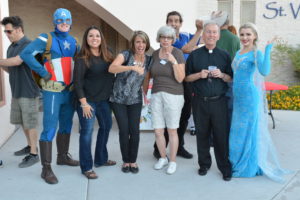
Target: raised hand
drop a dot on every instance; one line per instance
(170, 57)
(199, 24)
(274, 39)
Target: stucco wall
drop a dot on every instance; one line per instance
(150, 15)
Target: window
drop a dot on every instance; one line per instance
(248, 10)
(226, 5)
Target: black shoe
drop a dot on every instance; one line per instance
(184, 153)
(226, 177)
(156, 154)
(29, 160)
(23, 152)
(125, 169)
(134, 170)
(203, 171)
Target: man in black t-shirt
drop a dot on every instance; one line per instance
(25, 92)
(209, 70)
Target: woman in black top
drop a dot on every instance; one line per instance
(93, 86)
(131, 67)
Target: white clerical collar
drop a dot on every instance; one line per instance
(210, 51)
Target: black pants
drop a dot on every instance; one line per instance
(184, 118)
(212, 114)
(128, 119)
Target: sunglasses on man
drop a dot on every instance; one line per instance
(8, 31)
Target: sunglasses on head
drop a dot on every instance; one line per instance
(8, 31)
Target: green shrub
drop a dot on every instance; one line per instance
(283, 52)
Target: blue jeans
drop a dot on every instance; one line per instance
(101, 111)
(58, 108)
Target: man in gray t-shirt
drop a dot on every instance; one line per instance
(25, 92)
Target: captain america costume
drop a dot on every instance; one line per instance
(57, 76)
(57, 105)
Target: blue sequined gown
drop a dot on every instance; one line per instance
(250, 147)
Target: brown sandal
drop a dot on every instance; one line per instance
(90, 174)
(110, 163)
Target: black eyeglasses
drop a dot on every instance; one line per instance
(8, 31)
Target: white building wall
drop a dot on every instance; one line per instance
(285, 26)
(236, 13)
(6, 128)
(149, 16)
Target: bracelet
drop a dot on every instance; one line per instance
(175, 63)
(84, 105)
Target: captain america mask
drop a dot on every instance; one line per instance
(62, 15)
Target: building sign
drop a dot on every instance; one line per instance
(274, 10)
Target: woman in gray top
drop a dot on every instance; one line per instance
(168, 72)
(130, 67)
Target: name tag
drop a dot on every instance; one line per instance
(163, 62)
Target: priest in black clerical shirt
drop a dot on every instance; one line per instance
(209, 68)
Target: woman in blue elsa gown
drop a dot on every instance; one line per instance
(251, 149)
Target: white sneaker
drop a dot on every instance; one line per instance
(161, 163)
(172, 167)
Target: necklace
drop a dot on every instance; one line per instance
(139, 60)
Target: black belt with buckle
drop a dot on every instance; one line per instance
(211, 98)
(68, 88)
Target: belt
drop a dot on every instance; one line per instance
(69, 88)
(210, 98)
(54, 86)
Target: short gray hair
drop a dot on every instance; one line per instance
(210, 22)
(166, 31)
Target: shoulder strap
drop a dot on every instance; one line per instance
(47, 53)
(127, 60)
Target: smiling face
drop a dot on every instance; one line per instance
(247, 37)
(63, 27)
(211, 35)
(94, 39)
(139, 45)
(174, 21)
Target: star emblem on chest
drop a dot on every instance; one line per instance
(66, 45)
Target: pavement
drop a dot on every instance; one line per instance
(150, 184)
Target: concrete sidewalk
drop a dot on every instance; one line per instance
(149, 184)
